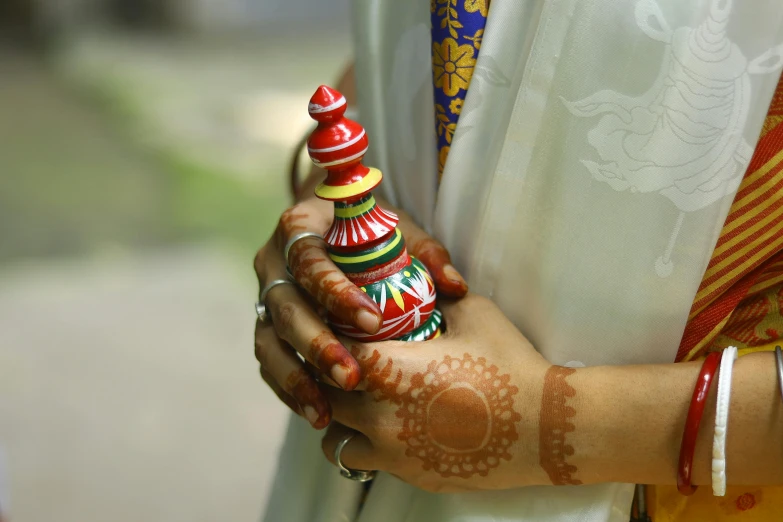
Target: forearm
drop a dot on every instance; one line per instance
(629, 423)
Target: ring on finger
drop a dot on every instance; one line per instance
(261, 311)
(358, 475)
(296, 238)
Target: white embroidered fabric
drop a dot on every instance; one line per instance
(597, 154)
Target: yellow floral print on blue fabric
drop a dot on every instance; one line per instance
(457, 31)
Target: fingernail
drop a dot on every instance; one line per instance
(452, 275)
(368, 322)
(345, 376)
(310, 414)
(340, 375)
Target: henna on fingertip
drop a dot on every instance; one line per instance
(359, 308)
(333, 359)
(318, 275)
(306, 393)
(436, 258)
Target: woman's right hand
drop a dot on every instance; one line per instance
(297, 326)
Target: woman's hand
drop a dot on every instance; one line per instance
(296, 324)
(456, 413)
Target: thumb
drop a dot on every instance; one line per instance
(467, 314)
(474, 315)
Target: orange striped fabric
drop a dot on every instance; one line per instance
(748, 257)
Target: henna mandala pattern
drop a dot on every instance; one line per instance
(473, 442)
(480, 437)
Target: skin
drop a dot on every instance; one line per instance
(471, 443)
(627, 420)
(614, 424)
(448, 414)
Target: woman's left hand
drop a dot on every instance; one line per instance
(453, 414)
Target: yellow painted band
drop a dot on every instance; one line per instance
(370, 256)
(368, 182)
(358, 210)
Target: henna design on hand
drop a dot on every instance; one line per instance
(554, 425)
(454, 441)
(291, 223)
(436, 258)
(326, 352)
(342, 298)
(306, 393)
(378, 378)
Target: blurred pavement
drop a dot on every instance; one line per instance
(129, 390)
(137, 176)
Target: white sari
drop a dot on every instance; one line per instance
(598, 151)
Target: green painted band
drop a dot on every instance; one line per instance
(367, 259)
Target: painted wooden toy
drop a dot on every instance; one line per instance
(364, 241)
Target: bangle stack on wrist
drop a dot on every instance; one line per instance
(687, 449)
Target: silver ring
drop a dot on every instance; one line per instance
(779, 360)
(358, 475)
(295, 239)
(261, 311)
(270, 286)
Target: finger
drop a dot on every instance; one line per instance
(435, 257)
(310, 264)
(381, 363)
(319, 375)
(313, 215)
(357, 454)
(314, 270)
(281, 394)
(460, 315)
(287, 371)
(298, 324)
(353, 409)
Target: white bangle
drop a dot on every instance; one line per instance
(722, 421)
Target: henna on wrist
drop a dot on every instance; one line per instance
(555, 423)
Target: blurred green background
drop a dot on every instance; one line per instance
(144, 149)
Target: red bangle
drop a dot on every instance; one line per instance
(695, 413)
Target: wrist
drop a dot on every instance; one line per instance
(629, 421)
